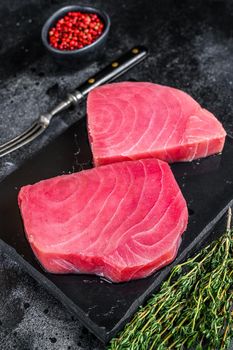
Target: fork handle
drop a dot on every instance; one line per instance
(109, 73)
(114, 69)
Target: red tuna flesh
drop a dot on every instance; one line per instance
(141, 120)
(122, 221)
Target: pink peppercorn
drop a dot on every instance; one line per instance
(76, 30)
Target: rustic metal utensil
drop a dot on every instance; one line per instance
(109, 73)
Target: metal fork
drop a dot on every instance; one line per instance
(109, 73)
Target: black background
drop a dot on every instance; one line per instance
(191, 48)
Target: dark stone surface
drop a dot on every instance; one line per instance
(191, 48)
(32, 319)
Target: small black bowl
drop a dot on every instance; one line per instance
(79, 56)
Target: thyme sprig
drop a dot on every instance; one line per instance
(193, 309)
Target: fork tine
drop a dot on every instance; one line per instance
(21, 136)
(22, 139)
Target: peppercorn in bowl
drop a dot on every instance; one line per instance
(75, 34)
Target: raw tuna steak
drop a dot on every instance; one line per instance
(142, 120)
(122, 221)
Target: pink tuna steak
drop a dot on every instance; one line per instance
(122, 221)
(142, 120)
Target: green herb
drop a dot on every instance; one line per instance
(193, 309)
